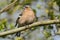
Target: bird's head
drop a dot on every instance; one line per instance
(27, 7)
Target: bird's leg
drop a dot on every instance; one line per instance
(29, 28)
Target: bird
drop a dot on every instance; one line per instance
(26, 17)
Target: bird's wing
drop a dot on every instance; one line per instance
(17, 21)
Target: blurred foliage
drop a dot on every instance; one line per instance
(1, 27)
(19, 38)
(50, 38)
(50, 10)
(2, 4)
(51, 14)
(3, 24)
(58, 3)
(15, 9)
(38, 6)
(34, 11)
(58, 16)
(42, 0)
(12, 26)
(27, 2)
(48, 27)
(46, 10)
(46, 33)
(19, 5)
(50, 5)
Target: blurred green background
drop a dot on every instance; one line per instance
(44, 10)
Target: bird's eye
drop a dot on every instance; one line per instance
(26, 6)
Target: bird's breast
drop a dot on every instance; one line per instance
(27, 17)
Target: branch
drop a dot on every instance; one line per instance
(32, 25)
(8, 6)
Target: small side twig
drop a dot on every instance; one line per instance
(8, 7)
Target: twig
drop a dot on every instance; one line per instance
(8, 6)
